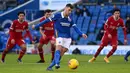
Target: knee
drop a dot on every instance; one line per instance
(6, 49)
(40, 46)
(65, 50)
(114, 46)
(52, 42)
(23, 47)
(59, 47)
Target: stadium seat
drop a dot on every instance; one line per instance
(92, 27)
(124, 6)
(11, 3)
(2, 5)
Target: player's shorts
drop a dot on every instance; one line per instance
(19, 42)
(46, 40)
(65, 42)
(105, 40)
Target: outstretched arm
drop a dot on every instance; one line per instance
(42, 23)
(77, 29)
(79, 32)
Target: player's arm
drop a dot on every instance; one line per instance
(107, 24)
(78, 31)
(42, 33)
(42, 23)
(29, 34)
(124, 31)
(12, 32)
(52, 18)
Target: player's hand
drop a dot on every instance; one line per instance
(33, 26)
(125, 42)
(33, 42)
(12, 41)
(109, 36)
(53, 40)
(84, 36)
(43, 36)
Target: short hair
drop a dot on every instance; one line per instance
(69, 5)
(21, 13)
(47, 11)
(116, 9)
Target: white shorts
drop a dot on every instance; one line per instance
(64, 42)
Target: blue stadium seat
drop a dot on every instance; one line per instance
(99, 26)
(92, 27)
(124, 6)
(119, 6)
(79, 22)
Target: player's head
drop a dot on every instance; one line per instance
(48, 13)
(68, 9)
(21, 16)
(116, 12)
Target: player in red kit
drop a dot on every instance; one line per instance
(110, 34)
(47, 32)
(15, 32)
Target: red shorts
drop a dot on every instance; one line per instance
(19, 42)
(47, 39)
(105, 40)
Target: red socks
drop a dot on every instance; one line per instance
(98, 51)
(41, 53)
(111, 52)
(22, 52)
(4, 54)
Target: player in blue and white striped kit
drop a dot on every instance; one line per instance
(62, 25)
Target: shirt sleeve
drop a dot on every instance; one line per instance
(107, 24)
(76, 28)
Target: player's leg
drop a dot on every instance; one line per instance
(60, 45)
(40, 48)
(59, 42)
(22, 44)
(127, 55)
(41, 53)
(114, 44)
(65, 46)
(9, 46)
(104, 42)
(57, 56)
(52, 41)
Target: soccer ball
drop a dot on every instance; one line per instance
(73, 64)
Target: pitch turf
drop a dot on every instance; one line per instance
(116, 65)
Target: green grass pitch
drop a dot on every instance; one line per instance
(116, 65)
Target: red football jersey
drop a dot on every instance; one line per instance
(17, 29)
(48, 28)
(111, 26)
